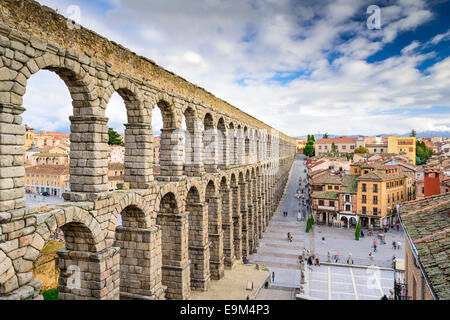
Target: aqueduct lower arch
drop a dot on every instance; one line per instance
(181, 231)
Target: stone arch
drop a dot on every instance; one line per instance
(80, 84)
(142, 217)
(132, 97)
(82, 232)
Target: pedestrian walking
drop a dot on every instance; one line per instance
(394, 245)
(273, 276)
(374, 248)
(398, 245)
(317, 262)
(350, 258)
(398, 227)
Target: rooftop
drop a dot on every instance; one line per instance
(427, 222)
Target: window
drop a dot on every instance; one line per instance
(344, 147)
(364, 187)
(320, 147)
(348, 207)
(375, 200)
(347, 198)
(398, 197)
(330, 187)
(374, 150)
(375, 211)
(364, 210)
(364, 199)
(352, 147)
(336, 188)
(375, 188)
(356, 170)
(320, 202)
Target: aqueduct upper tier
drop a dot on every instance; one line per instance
(220, 182)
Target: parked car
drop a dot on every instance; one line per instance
(46, 194)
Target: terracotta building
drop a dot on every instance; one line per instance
(342, 145)
(51, 179)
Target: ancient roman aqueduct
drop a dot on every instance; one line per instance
(179, 230)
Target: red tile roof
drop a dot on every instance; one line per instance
(337, 140)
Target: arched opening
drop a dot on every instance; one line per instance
(198, 241)
(116, 112)
(222, 143)
(246, 144)
(232, 138)
(166, 163)
(188, 127)
(48, 105)
(209, 144)
(214, 231)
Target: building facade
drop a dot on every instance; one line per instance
(403, 145)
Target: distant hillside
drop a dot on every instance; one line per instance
(420, 134)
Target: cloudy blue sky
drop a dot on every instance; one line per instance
(300, 66)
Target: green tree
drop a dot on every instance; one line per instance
(361, 150)
(333, 147)
(325, 136)
(358, 230)
(309, 149)
(413, 133)
(114, 138)
(309, 223)
(423, 153)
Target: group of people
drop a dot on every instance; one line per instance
(285, 213)
(311, 260)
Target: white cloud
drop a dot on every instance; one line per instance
(214, 44)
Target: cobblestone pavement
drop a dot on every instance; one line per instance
(349, 283)
(233, 285)
(33, 201)
(275, 251)
(325, 282)
(342, 241)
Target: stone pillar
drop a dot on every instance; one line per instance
(138, 155)
(240, 147)
(227, 227)
(89, 276)
(256, 216)
(210, 150)
(88, 154)
(175, 263)
(244, 221)
(140, 263)
(251, 228)
(195, 166)
(236, 223)
(12, 171)
(224, 149)
(171, 156)
(199, 254)
(216, 239)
